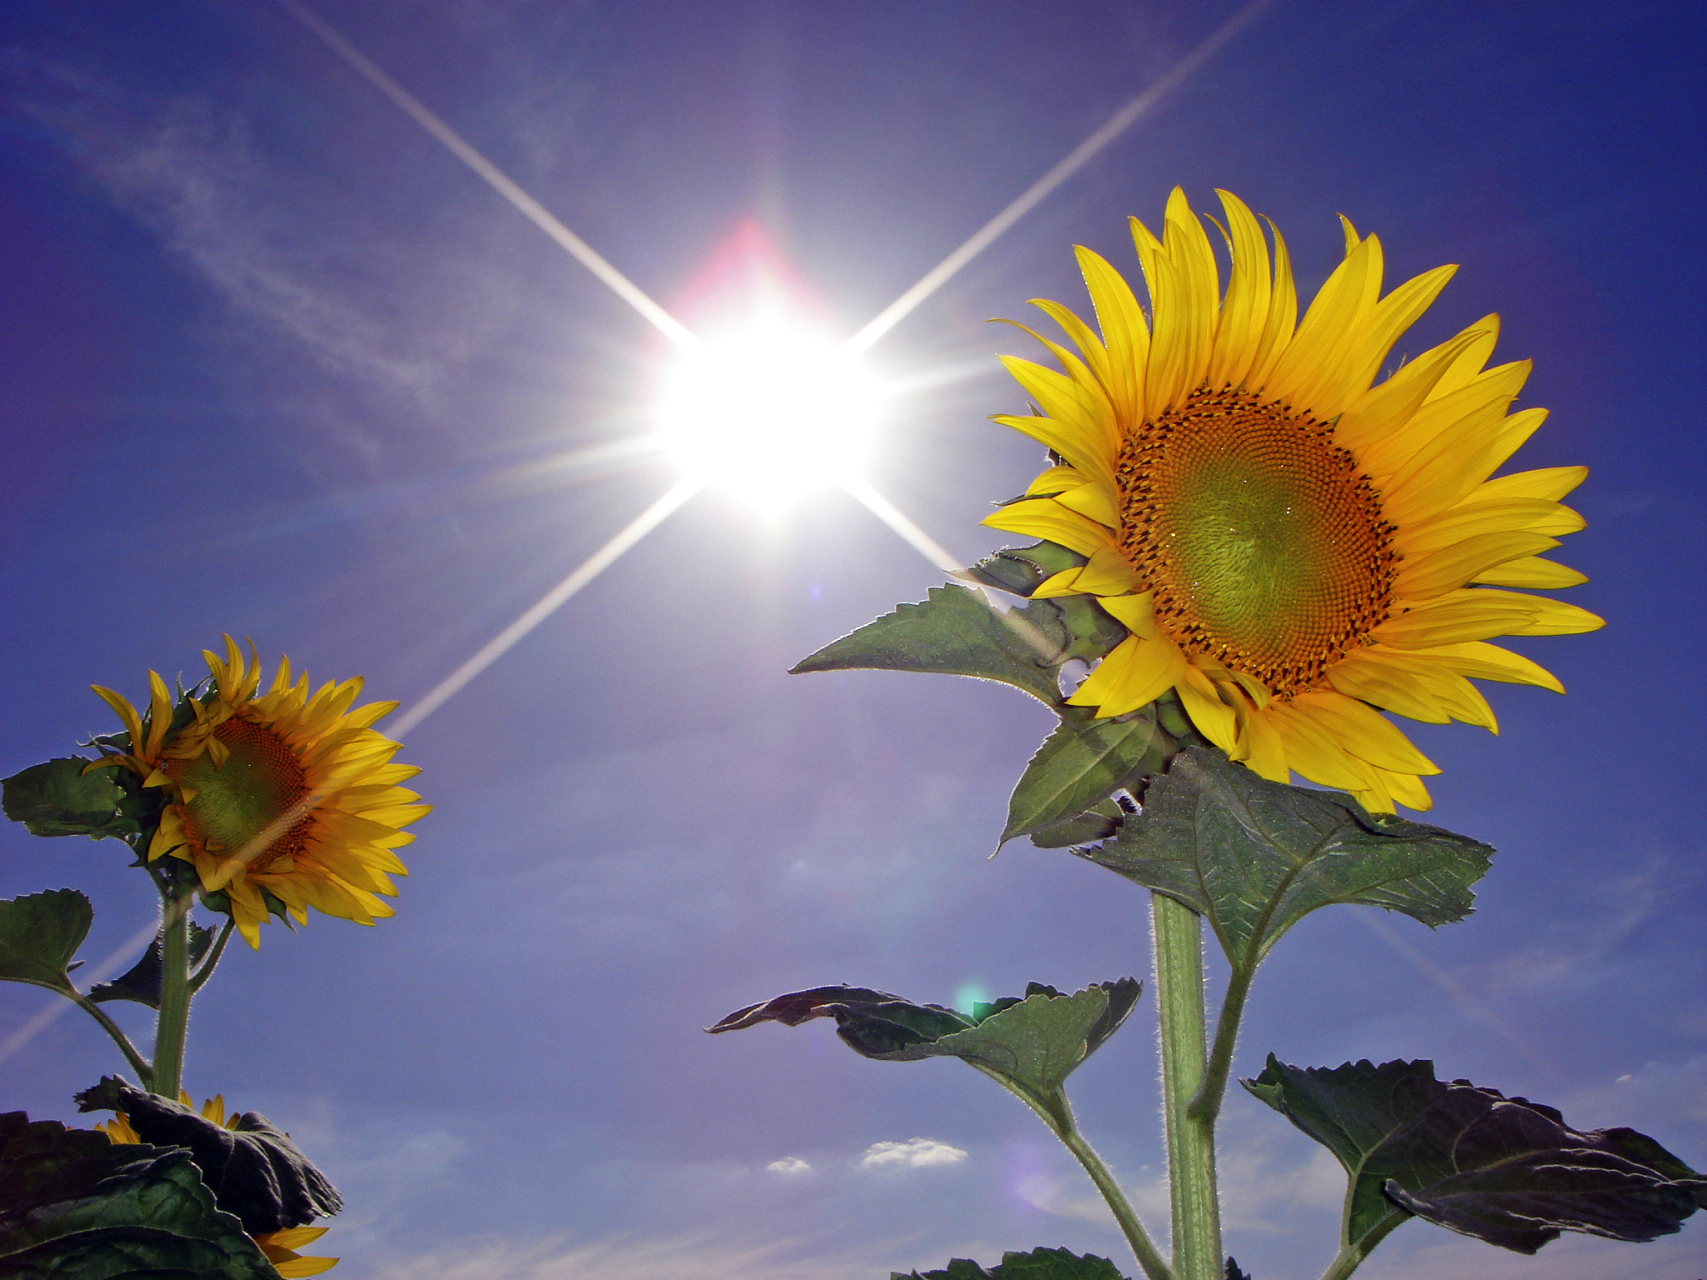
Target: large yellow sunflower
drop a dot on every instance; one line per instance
(279, 1247)
(285, 794)
(1290, 544)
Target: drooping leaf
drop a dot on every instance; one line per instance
(1031, 1044)
(1084, 761)
(1039, 1264)
(1254, 856)
(56, 798)
(1234, 1273)
(1504, 1170)
(254, 1171)
(74, 1206)
(39, 934)
(954, 631)
(142, 982)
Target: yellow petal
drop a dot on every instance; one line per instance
(1533, 572)
(1123, 333)
(1134, 674)
(1202, 702)
(1363, 732)
(1244, 311)
(1425, 576)
(1048, 519)
(1482, 661)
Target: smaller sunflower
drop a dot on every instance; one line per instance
(279, 1247)
(282, 801)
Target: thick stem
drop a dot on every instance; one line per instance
(1351, 1256)
(138, 1063)
(1149, 1257)
(174, 1020)
(1178, 937)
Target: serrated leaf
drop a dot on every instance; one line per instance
(1083, 762)
(1031, 1044)
(1505, 1170)
(39, 935)
(74, 1206)
(954, 632)
(1254, 857)
(56, 798)
(141, 982)
(253, 1169)
(1038, 1264)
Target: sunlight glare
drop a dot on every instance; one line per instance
(771, 412)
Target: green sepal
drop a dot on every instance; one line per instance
(1254, 857)
(75, 1206)
(953, 631)
(57, 798)
(1085, 761)
(142, 982)
(1030, 1044)
(1504, 1170)
(39, 935)
(1021, 570)
(254, 1170)
(1039, 1264)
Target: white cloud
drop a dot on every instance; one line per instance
(789, 1165)
(914, 1153)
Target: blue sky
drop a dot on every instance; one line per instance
(278, 365)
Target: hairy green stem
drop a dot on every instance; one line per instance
(1352, 1255)
(1178, 935)
(1149, 1257)
(202, 974)
(173, 1023)
(1205, 1107)
(138, 1063)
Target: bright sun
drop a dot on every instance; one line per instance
(770, 412)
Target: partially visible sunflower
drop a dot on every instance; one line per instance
(287, 795)
(1291, 548)
(279, 1247)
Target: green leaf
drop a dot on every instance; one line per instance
(1084, 761)
(1255, 856)
(1234, 1273)
(74, 1206)
(955, 632)
(1031, 1044)
(56, 798)
(254, 1171)
(1039, 1264)
(1098, 822)
(142, 982)
(1505, 1170)
(39, 934)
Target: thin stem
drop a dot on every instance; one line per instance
(1149, 1257)
(1178, 937)
(174, 1020)
(1205, 1107)
(202, 974)
(138, 1063)
(1351, 1256)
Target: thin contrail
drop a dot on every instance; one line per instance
(594, 565)
(495, 177)
(1076, 159)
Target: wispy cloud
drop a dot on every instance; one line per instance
(914, 1153)
(290, 250)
